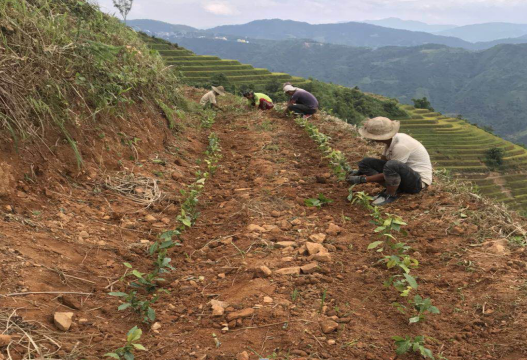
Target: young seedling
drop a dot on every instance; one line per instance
(323, 300)
(422, 306)
(127, 351)
(408, 344)
(404, 283)
(318, 202)
(141, 306)
(295, 295)
(360, 198)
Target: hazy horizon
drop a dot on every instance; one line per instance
(210, 13)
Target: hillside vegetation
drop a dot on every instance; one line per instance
(66, 65)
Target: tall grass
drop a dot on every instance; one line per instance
(63, 62)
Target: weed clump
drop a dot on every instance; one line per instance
(65, 63)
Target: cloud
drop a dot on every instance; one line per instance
(220, 8)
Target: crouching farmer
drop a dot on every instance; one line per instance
(301, 101)
(209, 99)
(259, 100)
(404, 167)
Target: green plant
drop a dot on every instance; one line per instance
(138, 304)
(422, 306)
(360, 198)
(494, 157)
(404, 283)
(127, 351)
(408, 344)
(318, 202)
(295, 295)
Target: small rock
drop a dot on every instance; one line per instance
(149, 218)
(84, 234)
(322, 257)
(314, 248)
(328, 326)
(63, 320)
(285, 244)
(331, 342)
(242, 356)
(296, 222)
(5, 340)
(268, 300)
(275, 213)
(263, 271)
(289, 271)
(255, 228)
(343, 320)
(155, 326)
(176, 175)
(309, 268)
(221, 276)
(318, 238)
(333, 229)
(240, 314)
(285, 225)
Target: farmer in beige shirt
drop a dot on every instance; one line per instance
(404, 167)
(209, 99)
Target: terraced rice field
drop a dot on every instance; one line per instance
(460, 147)
(197, 69)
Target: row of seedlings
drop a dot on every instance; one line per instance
(144, 288)
(395, 255)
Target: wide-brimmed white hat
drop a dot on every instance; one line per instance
(289, 88)
(220, 90)
(379, 128)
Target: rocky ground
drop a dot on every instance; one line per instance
(260, 275)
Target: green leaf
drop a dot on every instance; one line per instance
(375, 244)
(411, 280)
(434, 310)
(129, 356)
(415, 319)
(151, 314)
(134, 334)
(120, 294)
(124, 306)
(112, 355)
(137, 274)
(139, 347)
(127, 265)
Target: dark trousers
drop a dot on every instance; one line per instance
(301, 109)
(395, 173)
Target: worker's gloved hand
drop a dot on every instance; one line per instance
(355, 180)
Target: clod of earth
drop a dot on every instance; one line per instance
(322, 257)
(155, 326)
(314, 248)
(268, 300)
(333, 229)
(218, 307)
(289, 271)
(285, 244)
(328, 326)
(309, 268)
(263, 271)
(240, 314)
(318, 238)
(63, 320)
(255, 228)
(242, 356)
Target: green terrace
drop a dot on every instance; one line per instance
(200, 69)
(462, 148)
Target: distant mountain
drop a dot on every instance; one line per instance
(486, 32)
(155, 27)
(488, 87)
(351, 33)
(396, 23)
(489, 44)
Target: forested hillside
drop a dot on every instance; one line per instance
(487, 87)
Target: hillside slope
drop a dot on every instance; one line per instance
(191, 228)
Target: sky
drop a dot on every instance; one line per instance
(209, 13)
